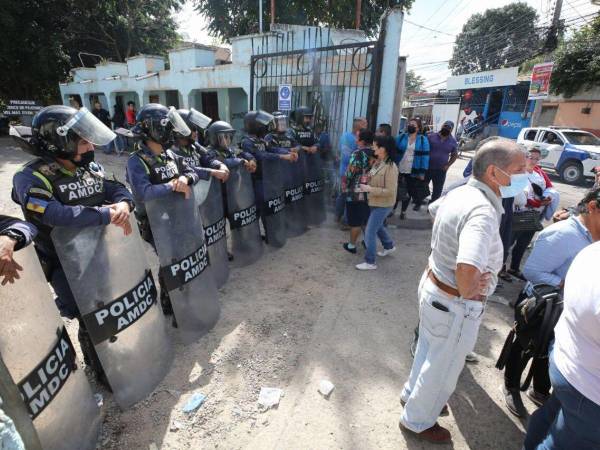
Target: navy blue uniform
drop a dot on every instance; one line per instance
(198, 158)
(26, 230)
(52, 196)
(305, 137)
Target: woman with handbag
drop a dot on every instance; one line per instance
(413, 162)
(529, 208)
(381, 194)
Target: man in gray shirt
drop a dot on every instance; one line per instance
(466, 256)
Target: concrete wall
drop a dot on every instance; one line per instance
(569, 114)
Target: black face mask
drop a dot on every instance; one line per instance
(411, 129)
(445, 132)
(86, 159)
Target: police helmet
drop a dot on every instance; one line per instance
(280, 121)
(157, 123)
(299, 114)
(57, 130)
(195, 120)
(220, 134)
(257, 122)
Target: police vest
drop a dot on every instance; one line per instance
(83, 187)
(305, 137)
(281, 141)
(190, 154)
(220, 154)
(258, 145)
(161, 169)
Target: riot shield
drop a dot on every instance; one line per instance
(272, 208)
(213, 219)
(314, 190)
(116, 295)
(184, 264)
(295, 218)
(38, 361)
(242, 213)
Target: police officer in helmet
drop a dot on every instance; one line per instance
(220, 138)
(194, 154)
(63, 186)
(154, 170)
(302, 130)
(279, 140)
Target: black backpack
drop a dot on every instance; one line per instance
(536, 316)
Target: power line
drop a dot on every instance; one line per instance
(427, 28)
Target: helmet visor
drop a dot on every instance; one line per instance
(264, 118)
(88, 127)
(281, 124)
(225, 139)
(179, 125)
(199, 119)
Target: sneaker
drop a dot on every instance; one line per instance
(537, 398)
(516, 274)
(513, 401)
(472, 357)
(505, 276)
(417, 208)
(402, 216)
(386, 251)
(435, 435)
(366, 266)
(349, 249)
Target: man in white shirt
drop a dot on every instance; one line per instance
(466, 256)
(570, 418)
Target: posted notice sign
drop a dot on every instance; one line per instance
(22, 108)
(284, 102)
(540, 81)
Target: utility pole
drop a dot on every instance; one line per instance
(358, 13)
(260, 25)
(272, 12)
(552, 38)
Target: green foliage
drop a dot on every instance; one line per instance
(413, 83)
(499, 37)
(40, 39)
(577, 61)
(230, 18)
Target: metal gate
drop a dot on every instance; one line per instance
(339, 82)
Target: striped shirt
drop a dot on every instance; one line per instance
(467, 230)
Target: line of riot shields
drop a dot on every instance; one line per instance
(42, 384)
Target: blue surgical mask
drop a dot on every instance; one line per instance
(518, 183)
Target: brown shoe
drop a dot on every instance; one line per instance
(443, 413)
(435, 435)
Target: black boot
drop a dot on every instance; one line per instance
(90, 357)
(165, 303)
(513, 401)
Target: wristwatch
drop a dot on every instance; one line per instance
(17, 236)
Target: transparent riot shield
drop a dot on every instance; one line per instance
(295, 218)
(314, 193)
(184, 263)
(273, 209)
(117, 297)
(40, 360)
(213, 219)
(247, 246)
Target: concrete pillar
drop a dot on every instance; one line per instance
(389, 66)
(400, 87)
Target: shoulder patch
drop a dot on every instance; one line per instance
(49, 169)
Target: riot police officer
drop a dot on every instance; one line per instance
(194, 154)
(153, 170)
(302, 131)
(279, 140)
(220, 138)
(63, 186)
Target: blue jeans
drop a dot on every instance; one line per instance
(376, 229)
(568, 420)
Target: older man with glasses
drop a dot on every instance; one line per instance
(466, 256)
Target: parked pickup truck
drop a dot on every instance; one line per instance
(571, 153)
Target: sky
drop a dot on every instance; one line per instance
(427, 51)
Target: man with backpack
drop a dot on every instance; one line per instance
(538, 307)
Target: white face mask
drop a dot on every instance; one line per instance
(518, 183)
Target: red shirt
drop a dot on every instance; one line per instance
(130, 115)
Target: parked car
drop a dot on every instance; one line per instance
(570, 152)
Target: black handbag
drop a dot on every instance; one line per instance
(528, 220)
